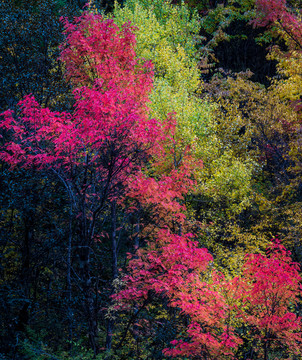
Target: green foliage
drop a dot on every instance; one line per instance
(261, 129)
(248, 190)
(167, 35)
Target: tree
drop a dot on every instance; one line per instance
(269, 292)
(252, 315)
(29, 53)
(168, 35)
(95, 149)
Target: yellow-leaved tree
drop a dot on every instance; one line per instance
(167, 35)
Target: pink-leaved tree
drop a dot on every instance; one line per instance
(278, 14)
(269, 293)
(253, 315)
(95, 149)
(107, 153)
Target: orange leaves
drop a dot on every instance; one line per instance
(164, 194)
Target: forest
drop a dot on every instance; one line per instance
(151, 180)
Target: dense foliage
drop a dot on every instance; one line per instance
(150, 155)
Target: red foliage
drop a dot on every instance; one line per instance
(169, 259)
(110, 112)
(101, 147)
(95, 149)
(267, 292)
(96, 48)
(275, 12)
(270, 289)
(175, 267)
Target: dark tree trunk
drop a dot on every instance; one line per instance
(84, 254)
(68, 280)
(26, 275)
(114, 252)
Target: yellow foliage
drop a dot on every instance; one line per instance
(166, 35)
(228, 132)
(289, 67)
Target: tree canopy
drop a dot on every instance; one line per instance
(150, 157)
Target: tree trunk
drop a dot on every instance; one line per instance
(26, 275)
(114, 250)
(68, 280)
(84, 253)
(114, 241)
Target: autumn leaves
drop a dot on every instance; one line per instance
(116, 161)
